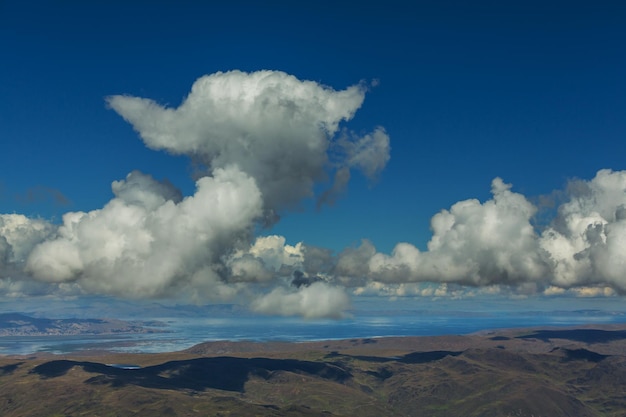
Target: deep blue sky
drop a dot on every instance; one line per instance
(531, 91)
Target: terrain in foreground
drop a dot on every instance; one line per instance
(533, 372)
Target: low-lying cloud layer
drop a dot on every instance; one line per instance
(494, 246)
(264, 140)
(482, 244)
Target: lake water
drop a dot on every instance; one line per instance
(181, 333)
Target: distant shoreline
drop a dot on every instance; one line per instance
(610, 339)
(25, 335)
(22, 325)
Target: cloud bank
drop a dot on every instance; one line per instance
(265, 140)
(495, 243)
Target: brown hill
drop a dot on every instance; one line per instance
(537, 372)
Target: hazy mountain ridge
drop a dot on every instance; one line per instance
(17, 324)
(534, 372)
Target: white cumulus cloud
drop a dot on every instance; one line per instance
(275, 127)
(19, 234)
(473, 243)
(263, 140)
(144, 243)
(495, 243)
(587, 239)
(318, 300)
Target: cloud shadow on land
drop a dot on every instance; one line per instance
(412, 358)
(9, 369)
(223, 373)
(579, 335)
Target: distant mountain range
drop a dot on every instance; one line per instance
(17, 324)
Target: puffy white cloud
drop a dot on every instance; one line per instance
(143, 242)
(484, 245)
(586, 292)
(554, 290)
(264, 139)
(427, 290)
(587, 239)
(593, 291)
(473, 243)
(268, 258)
(487, 243)
(275, 127)
(411, 289)
(275, 253)
(19, 234)
(495, 243)
(318, 300)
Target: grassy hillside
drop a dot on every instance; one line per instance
(515, 373)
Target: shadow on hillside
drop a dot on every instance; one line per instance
(414, 358)
(9, 369)
(578, 335)
(224, 373)
(570, 355)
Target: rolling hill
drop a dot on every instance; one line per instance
(535, 372)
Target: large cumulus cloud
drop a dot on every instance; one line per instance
(314, 301)
(264, 139)
(473, 243)
(276, 128)
(144, 241)
(495, 243)
(587, 240)
(492, 245)
(18, 236)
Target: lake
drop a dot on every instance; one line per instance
(181, 333)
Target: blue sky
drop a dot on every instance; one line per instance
(531, 92)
